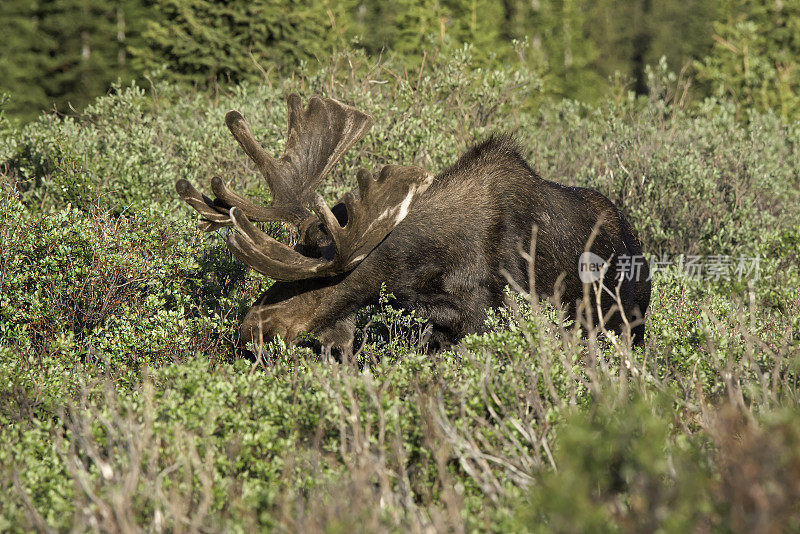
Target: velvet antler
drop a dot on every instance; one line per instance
(318, 138)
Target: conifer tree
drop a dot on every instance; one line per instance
(204, 41)
(562, 48)
(25, 57)
(63, 53)
(756, 55)
(481, 23)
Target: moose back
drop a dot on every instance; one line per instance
(445, 246)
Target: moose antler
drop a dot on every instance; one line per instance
(318, 137)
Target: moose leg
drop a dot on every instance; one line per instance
(340, 335)
(322, 307)
(450, 322)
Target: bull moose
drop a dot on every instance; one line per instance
(444, 245)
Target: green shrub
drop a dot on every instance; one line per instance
(115, 291)
(620, 468)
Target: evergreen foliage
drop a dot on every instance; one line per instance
(411, 27)
(63, 53)
(756, 56)
(25, 57)
(205, 41)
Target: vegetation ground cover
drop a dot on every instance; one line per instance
(122, 406)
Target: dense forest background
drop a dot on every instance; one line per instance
(61, 54)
